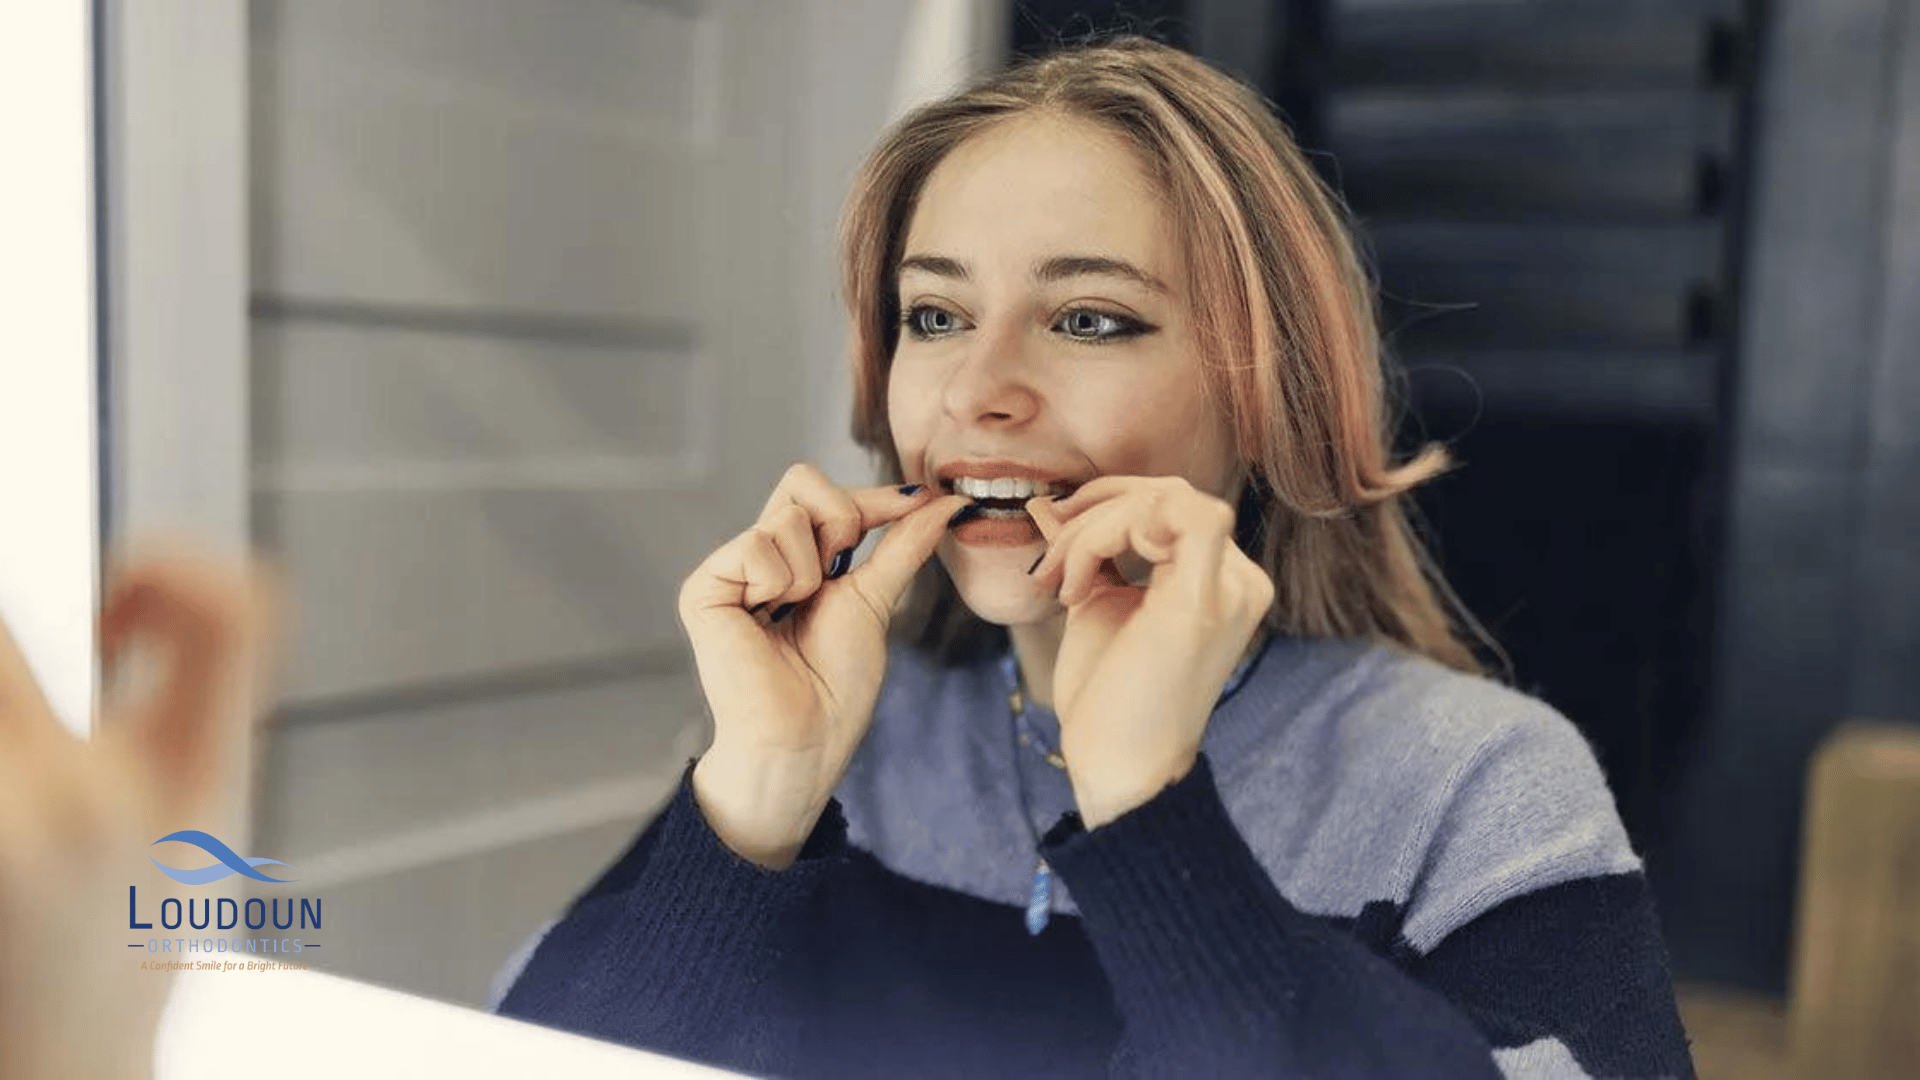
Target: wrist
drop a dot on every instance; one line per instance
(762, 807)
(1105, 794)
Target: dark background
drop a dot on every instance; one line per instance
(1651, 268)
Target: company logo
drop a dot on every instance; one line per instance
(229, 864)
(222, 913)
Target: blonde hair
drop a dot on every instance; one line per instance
(1284, 313)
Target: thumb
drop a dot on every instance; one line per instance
(211, 627)
(905, 548)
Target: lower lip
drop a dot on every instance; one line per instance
(992, 530)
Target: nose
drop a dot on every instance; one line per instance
(991, 382)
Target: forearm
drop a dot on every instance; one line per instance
(1217, 974)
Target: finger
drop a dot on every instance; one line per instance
(1101, 491)
(880, 506)
(1077, 565)
(1046, 518)
(1251, 584)
(831, 513)
(1134, 527)
(887, 504)
(1065, 536)
(1202, 532)
(1127, 551)
(792, 530)
(1095, 491)
(1070, 560)
(214, 627)
(741, 574)
(902, 551)
(841, 517)
(1087, 556)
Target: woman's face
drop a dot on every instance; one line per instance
(1046, 337)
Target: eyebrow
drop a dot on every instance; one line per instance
(1057, 268)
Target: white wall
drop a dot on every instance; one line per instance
(528, 297)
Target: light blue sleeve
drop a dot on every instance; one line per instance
(517, 963)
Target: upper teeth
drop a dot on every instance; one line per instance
(1003, 488)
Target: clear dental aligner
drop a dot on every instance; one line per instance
(1013, 491)
(1006, 487)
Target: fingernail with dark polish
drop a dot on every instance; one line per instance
(910, 489)
(1036, 562)
(964, 514)
(841, 563)
(781, 612)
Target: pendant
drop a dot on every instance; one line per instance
(1040, 900)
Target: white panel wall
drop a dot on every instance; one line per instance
(569, 743)
(509, 260)
(487, 153)
(535, 303)
(346, 395)
(479, 336)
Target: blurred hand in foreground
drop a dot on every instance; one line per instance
(77, 816)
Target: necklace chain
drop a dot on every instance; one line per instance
(1025, 735)
(1023, 732)
(1040, 893)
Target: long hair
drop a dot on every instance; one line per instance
(1286, 325)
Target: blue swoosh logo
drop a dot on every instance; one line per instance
(229, 864)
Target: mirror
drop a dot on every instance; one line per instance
(483, 319)
(487, 321)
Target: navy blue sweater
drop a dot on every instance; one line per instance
(1500, 928)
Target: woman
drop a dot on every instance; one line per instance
(1172, 763)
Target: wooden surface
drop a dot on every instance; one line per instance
(1736, 1035)
(1856, 976)
(1854, 1012)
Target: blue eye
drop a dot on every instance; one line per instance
(925, 321)
(1098, 327)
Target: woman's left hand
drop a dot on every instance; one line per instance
(1141, 666)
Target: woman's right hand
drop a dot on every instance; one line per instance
(791, 698)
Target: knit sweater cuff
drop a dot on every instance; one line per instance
(693, 876)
